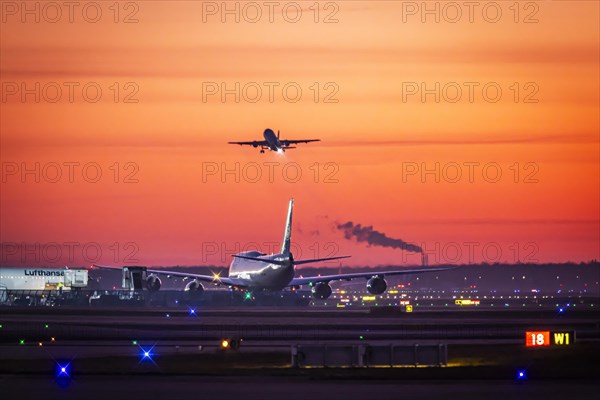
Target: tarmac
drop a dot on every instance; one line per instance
(104, 348)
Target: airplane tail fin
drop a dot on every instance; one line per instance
(287, 234)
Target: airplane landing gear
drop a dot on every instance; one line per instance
(262, 151)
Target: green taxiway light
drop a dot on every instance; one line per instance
(46, 326)
(134, 342)
(22, 341)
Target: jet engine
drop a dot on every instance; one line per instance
(194, 286)
(376, 285)
(153, 283)
(321, 291)
(255, 144)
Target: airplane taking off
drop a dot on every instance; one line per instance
(274, 143)
(256, 271)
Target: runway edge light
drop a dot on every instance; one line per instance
(230, 344)
(63, 369)
(147, 354)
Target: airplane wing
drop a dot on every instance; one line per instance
(295, 262)
(366, 275)
(254, 143)
(286, 143)
(204, 278)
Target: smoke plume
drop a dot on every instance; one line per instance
(375, 238)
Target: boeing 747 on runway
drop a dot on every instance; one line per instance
(274, 143)
(256, 271)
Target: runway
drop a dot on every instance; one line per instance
(291, 388)
(276, 324)
(28, 333)
(103, 348)
(295, 388)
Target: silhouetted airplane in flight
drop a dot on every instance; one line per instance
(274, 143)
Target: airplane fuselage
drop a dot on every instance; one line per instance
(272, 140)
(260, 275)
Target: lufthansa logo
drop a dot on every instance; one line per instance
(41, 272)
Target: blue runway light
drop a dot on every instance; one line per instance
(147, 355)
(62, 373)
(521, 375)
(63, 369)
(192, 312)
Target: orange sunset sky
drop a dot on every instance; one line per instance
(170, 207)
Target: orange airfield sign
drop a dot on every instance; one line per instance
(537, 338)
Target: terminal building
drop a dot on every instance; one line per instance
(42, 279)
